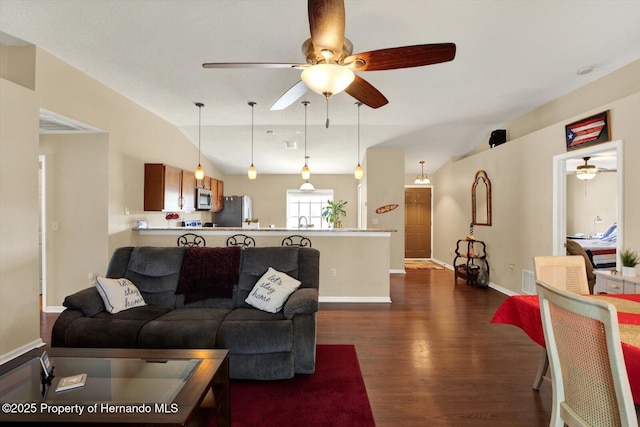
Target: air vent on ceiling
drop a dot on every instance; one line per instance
(290, 145)
(51, 122)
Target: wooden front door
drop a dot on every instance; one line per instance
(417, 222)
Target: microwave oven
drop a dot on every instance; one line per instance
(204, 199)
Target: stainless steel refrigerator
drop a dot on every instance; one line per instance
(236, 210)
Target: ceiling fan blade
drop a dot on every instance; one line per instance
(290, 96)
(364, 92)
(251, 65)
(403, 57)
(326, 24)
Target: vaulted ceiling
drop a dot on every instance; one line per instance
(512, 56)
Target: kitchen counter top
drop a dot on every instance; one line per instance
(354, 262)
(234, 230)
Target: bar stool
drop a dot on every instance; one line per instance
(241, 240)
(190, 239)
(296, 240)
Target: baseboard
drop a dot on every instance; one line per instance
(397, 271)
(20, 350)
(442, 263)
(500, 289)
(54, 309)
(385, 300)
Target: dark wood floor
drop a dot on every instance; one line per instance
(432, 357)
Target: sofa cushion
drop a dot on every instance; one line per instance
(254, 262)
(251, 331)
(119, 330)
(88, 301)
(183, 328)
(272, 290)
(119, 294)
(155, 271)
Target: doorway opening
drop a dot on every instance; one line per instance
(560, 193)
(418, 241)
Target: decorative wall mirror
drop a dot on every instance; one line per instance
(481, 199)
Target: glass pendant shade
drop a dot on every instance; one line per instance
(199, 172)
(307, 186)
(306, 172)
(327, 79)
(358, 173)
(252, 173)
(585, 175)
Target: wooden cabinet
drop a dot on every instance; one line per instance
(167, 188)
(470, 263)
(204, 183)
(217, 190)
(608, 283)
(188, 191)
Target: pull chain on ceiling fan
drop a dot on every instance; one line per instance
(330, 65)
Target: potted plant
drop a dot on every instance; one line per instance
(629, 260)
(333, 212)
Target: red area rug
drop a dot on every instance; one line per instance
(334, 395)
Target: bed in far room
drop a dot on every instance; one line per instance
(602, 249)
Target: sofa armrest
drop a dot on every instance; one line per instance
(302, 301)
(88, 301)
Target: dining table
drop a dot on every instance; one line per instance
(523, 311)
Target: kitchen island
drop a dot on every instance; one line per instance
(354, 263)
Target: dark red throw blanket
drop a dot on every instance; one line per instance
(208, 273)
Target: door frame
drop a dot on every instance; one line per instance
(431, 201)
(560, 194)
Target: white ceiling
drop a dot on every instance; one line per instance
(512, 56)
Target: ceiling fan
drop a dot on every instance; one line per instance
(586, 171)
(330, 64)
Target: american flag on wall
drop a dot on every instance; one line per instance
(591, 130)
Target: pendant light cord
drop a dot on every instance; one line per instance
(252, 105)
(305, 103)
(359, 104)
(200, 105)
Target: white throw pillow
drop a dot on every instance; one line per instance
(119, 294)
(272, 290)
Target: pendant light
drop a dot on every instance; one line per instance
(358, 173)
(199, 170)
(252, 173)
(306, 173)
(422, 178)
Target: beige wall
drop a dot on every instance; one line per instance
(136, 136)
(588, 199)
(76, 211)
(19, 320)
(521, 176)
(269, 193)
(384, 186)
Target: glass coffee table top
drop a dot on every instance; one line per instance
(126, 380)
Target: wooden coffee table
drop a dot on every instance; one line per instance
(125, 386)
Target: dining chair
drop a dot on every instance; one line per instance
(241, 240)
(568, 273)
(191, 239)
(296, 240)
(590, 382)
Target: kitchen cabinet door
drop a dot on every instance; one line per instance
(188, 195)
(217, 190)
(162, 186)
(204, 183)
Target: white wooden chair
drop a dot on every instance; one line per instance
(568, 273)
(590, 382)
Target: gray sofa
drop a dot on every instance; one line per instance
(261, 345)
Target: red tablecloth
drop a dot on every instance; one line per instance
(523, 311)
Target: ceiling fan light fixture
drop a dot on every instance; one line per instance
(585, 174)
(327, 79)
